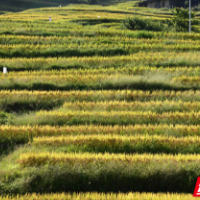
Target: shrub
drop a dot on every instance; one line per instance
(136, 23)
(180, 19)
(5, 118)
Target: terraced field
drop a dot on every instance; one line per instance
(89, 110)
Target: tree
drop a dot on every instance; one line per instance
(92, 1)
(180, 20)
(137, 23)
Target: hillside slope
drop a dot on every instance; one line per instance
(89, 106)
(19, 5)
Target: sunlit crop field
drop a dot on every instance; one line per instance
(91, 110)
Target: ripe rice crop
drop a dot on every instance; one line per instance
(23, 134)
(77, 14)
(7, 96)
(110, 118)
(81, 12)
(187, 79)
(153, 59)
(73, 172)
(53, 81)
(39, 40)
(38, 159)
(54, 76)
(73, 29)
(122, 144)
(68, 50)
(85, 100)
(155, 106)
(145, 78)
(102, 196)
(36, 100)
(142, 70)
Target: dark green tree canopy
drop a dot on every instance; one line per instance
(180, 19)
